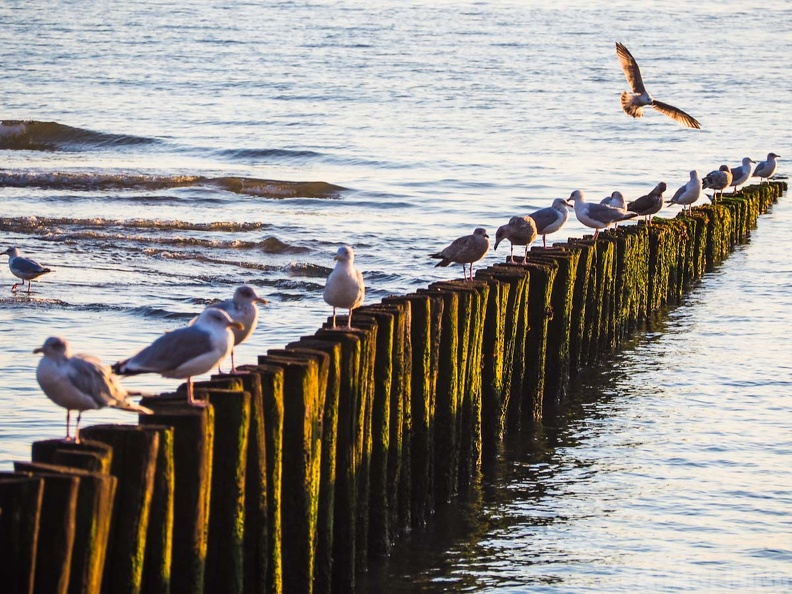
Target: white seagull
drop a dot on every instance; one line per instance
(596, 216)
(742, 173)
(551, 219)
(717, 180)
(344, 286)
(186, 352)
(615, 200)
(765, 169)
(79, 382)
(633, 103)
(464, 250)
(519, 231)
(242, 308)
(23, 268)
(689, 193)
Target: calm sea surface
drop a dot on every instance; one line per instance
(156, 155)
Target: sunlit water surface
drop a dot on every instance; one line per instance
(145, 183)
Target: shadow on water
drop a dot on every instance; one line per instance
(520, 493)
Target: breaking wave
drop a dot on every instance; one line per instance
(51, 136)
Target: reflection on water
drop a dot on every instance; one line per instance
(667, 470)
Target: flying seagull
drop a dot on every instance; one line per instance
(344, 286)
(633, 103)
(464, 250)
(79, 382)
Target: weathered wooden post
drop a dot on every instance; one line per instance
(193, 429)
(135, 451)
(20, 509)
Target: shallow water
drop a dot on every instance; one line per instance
(177, 151)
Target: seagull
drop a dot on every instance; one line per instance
(344, 286)
(23, 268)
(717, 180)
(551, 219)
(596, 216)
(648, 204)
(187, 351)
(464, 250)
(615, 200)
(520, 231)
(79, 382)
(633, 103)
(765, 169)
(742, 173)
(689, 193)
(242, 308)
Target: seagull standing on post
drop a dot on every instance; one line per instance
(520, 231)
(742, 173)
(187, 351)
(551, 219)
(633, 103)
(765, 169)
(344, 286)
(23, 268)
(464, 250)
(717, 180)
(648, 204)
(689, 193)
(79, 382)
(596, 216)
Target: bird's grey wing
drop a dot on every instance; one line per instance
(631, 70)
(603, 213)
(171, 350)
(544, 217)
(27, 265)
(676, 114)
(88, 375)
(523, 225)
(457, 247)
(678, 193)
(640, 203)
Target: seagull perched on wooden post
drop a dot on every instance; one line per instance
(464, 250)
(633, 103)
(344, 286)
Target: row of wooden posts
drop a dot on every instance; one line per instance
(330, 449)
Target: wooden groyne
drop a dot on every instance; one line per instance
(328, 450)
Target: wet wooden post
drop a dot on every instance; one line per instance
(541, 280)
(156, 577)
(446, 397)
(557, 367)
(20, 509)
(497, 345)
(193, 442)
(95, 499)
(469, 425)
(344, 509)
(53, 555)
(632, 282)
(225, 546)
(301, 463)
(424, 336)
(255, 544)
(323, 565)
(134, 463)
(381, 322)
(399, 470)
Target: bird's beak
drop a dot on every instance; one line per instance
(237, 325)
(335, 258)
(487, 236)
(496, 244)
(261, 300)
(38, 350)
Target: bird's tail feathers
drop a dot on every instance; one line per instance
(132, 407)
(120, 368)
(629, 107)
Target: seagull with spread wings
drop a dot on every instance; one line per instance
(633, 103)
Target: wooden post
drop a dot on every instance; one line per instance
(193, 440)
(134, 464)
(301, 464)
(20, 510)
(225, 547)
(56, 526)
